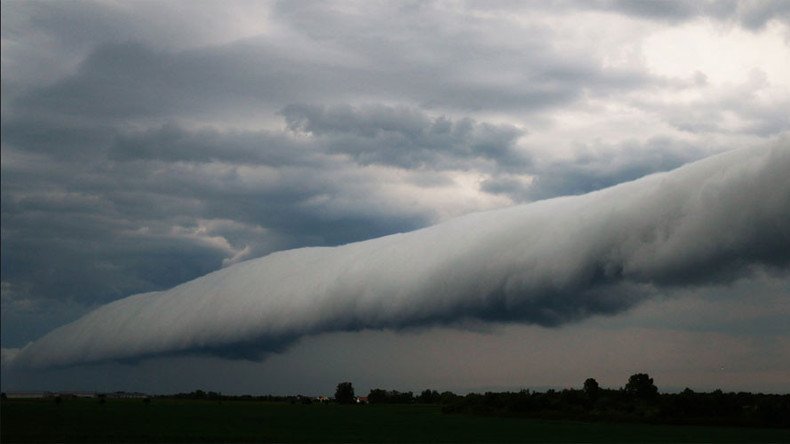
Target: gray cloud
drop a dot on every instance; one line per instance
(92, 214)
(755, 15)
(548, 262)
(133, 79)
(744, 101)
(45, 41)
(130, 80)
(594, 168)
(108, 210)
(407, 138)
(172, 143)
(752, 15)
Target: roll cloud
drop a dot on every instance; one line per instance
(547, 262)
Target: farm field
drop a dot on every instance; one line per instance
(87, 420)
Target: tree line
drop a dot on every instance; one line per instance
(638, 401)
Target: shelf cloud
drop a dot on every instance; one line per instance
(548, 262)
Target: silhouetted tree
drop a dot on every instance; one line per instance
(397, 397)
(639, 402)
(429, 397)
(641, 386)
(591, 388)
(448, 397)
(377, 396)
(344, 393)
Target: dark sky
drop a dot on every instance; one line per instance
(146, 144)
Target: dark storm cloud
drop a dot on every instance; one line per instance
(108, 211)
(131, 80)
(406, 137)
(44, 41)
(594, 168)
(173, 143)
(67, 239)
(549, 262)
(82, 24)
(56, 139)
(93, 214)
(114, 233)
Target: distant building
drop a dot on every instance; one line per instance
(362, 399)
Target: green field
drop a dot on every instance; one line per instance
(87, 420)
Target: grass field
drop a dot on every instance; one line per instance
(241, 421)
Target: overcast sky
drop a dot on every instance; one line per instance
(145, 144)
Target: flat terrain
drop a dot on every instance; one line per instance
(87, 420)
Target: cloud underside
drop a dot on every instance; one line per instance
(548, 262)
